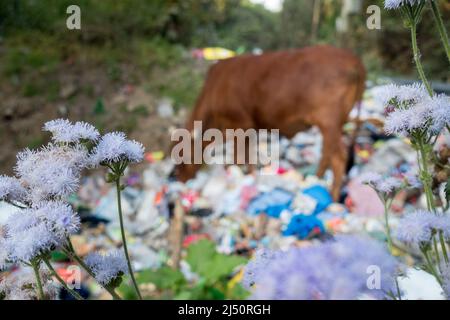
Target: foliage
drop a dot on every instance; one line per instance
(213, 271)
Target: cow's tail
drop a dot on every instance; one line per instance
(360, 88)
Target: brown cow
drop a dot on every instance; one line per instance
(286, 90)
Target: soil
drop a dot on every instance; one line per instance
(124, 105)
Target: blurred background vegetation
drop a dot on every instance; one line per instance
(129, 54)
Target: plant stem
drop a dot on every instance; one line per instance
(444, 248)
(431, 266)
(441, 27)
(424, 175)
(388, 229)
(399, 295)
(124, 241)
(71, 252)
(438, 258)
(416, 53)
(35, 266)
(63, 283)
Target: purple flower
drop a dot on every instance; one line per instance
(114, 147)
(381, 184)
(11, 189)
(52, 171)
(417, 227)
(446, 279)
(332, 270)
(395, 4)
(31, 232)
(63, 131)
(413, 180)
(21, 285)
(388, 185)
(370, 177)
(259, 262)
(107, 267)
(414, 110)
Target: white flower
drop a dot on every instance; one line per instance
(31, 232)
(388, 185)
(52, 171)
(395, 4)
(21, 285)
(59, 217)
(11, 189)
(3, 254)
(406, 93)
(415, 110)
(370, 177)
(31, 242)
(65, 132)
(379, 183)
(440, 113)
(107, 267)
(446, 279)
(114, 147)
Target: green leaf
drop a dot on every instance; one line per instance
(205, 261)
(127, 291)
(183, 295)
(163, 278)
(238, 293)
(200, 253)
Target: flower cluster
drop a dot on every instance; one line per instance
(331, 270)
(383, 185)
(414, 110)
(51, 172)
(11, 189)
(107, 267)
(418, 227)
(446, 279)
(21, 285)
(44, 178)
(395, 4)
(115, 147)
(257, 265)
(63, 131)
(34, 231)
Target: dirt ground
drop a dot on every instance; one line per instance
(124, 105)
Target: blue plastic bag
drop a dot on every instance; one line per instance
(272, 203)
(303, 227)
(321, 195)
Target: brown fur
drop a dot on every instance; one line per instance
(286, 90)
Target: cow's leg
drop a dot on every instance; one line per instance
(338, 164)
(334, 156)
(327, 150)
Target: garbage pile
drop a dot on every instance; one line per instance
(272, 208)
(269, 208)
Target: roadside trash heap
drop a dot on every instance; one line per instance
(274, 208)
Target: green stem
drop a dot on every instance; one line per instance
(124, 241)
(35, 266)
(399, 295)
(444, 248)
(63, 283)
(441, 27)
(438, 258)
(425, 176)
(416, 53)
(388, 229)
(71, 252)
(431, 266)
